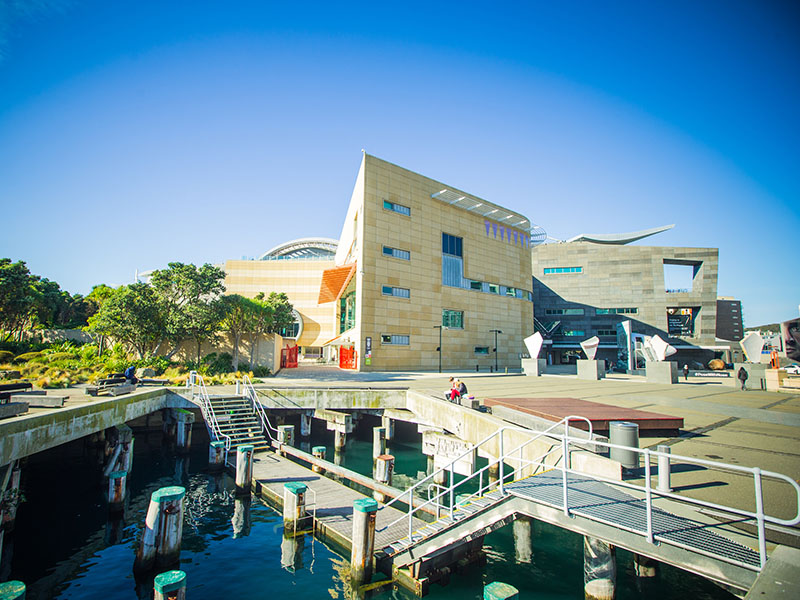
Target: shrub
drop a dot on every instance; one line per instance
(6, 356)
(56, 356)
(216, 364)
(28, 356)
(158, 363)
(259, 371)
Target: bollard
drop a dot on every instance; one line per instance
(364, 515)
(244, 468)
(286, 436)
(318, 452)
(183, 439)
(623, 433)
(523, 547)
(644, 566)
(664, 484)
(378, 442)
(599, 569)
(384, 466)
(241, 517)
(12, 590)
(216, 456)
(339, 440)
(163, 526)
(305, 425)
(388, 424)
(294, 506)
(170, 586)
(500, 591)
(116, 490)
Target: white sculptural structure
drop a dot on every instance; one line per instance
(534, 344)
(752, 344)
(590, 346)
(656, 349)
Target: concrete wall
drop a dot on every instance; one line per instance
(486, 258)
(267, 355)
(332, 398)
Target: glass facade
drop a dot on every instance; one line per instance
(398, 208)
(453, 319)
(396, 253)
(559, 270)
(347, 312)
(616, 311)
(394, 340)
(398, 292)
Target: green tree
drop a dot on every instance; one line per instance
(187, 296)
(16, 298)
(282, 317)
(239, 314)
(259, 323)
(94, 302)
(131, 315)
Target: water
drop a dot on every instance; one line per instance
(65, 546)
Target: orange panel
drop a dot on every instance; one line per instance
(334, 282)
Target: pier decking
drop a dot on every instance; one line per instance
(333, 500)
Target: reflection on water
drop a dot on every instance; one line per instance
(66, 545)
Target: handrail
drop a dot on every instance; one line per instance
(258, 408)
(450, 467)
(207, 409)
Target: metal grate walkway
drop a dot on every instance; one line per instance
(603, 503)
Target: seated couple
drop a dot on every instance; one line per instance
(457, 390)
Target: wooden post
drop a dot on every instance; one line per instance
(216, 455)
(388, 424)
(305, 424)
(494, 472)
(13, 494)
(170, 586)
(185, 420)
(294, 506)
(168, 423)
(644, 566)
(364, 515)
(12, 590)
(523, 549)
(378, 442)
(117, 484)
(339, 440)
(163, 526)
(286, 436)
(500, 591)
(599, 569)
(384, 466)
(318, 452)
(244, 469)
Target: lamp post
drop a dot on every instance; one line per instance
(439, 327)
(495, 332)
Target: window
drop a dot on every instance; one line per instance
(563, 311)
(394, 340)
(559, 270)
(481, 349)
(395, 253)
(572, 332)
(452, 245)
(396, 291)
(347, 312)
(511, 292)
(398, 208)
(454, 319)
(607, 332)
(494, 288)
(616, 311)
(475, 285)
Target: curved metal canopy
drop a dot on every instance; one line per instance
(619, 239)
(303, 248)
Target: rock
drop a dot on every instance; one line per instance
(145, 372)
(716, 364)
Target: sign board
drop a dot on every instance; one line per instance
(368, 350)
(680, 321)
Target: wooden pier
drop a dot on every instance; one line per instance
(331, 501)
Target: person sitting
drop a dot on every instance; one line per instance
(458, 389)
(130, 375)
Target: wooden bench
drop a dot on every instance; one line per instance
(9, 389)
(103, 386)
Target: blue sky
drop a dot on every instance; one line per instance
(137, 133)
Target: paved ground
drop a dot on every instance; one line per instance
(723, 424)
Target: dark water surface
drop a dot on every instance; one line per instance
(66, 546)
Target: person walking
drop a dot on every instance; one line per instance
(742, 376)
(686, 372)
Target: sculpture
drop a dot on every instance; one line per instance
(534, 344)
(590, 346)
(656, 349)
(752, 344)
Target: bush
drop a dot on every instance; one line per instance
(6, 356)
(28, 356)
(58, 356)
(259, 371)
(216, 364)
(158, 363)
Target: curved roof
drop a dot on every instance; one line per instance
(317, 247)
(619, 238)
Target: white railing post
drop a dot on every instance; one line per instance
(500, 465)
(648, 495)
(564, 459)
(762, 539)
(451, 491)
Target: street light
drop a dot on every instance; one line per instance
(439, 327)
(495, 332)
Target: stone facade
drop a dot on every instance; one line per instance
(590, 287)
(394, 233)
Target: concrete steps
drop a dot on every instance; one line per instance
(237, 420)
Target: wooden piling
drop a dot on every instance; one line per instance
(241, 517)
(523, 548)
(305, 424)
(216, 455)
(286, 436)
(184, 421)
(388, 424)
(13, 495)
(170, 586)
(294, 506)
(384, 467)
(644, 566)
(12, 590)
(117, 488)
(378, 442)
(339, 441)
(244, 468)
(318, 452)
(163, 526)
(364, 515)
(599, 569)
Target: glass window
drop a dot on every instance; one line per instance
(481, 349)
(616, 311)
(560, 270)
(607, 332)
(494, 288)
(454, 319)
(475, 285)
(396, 291)
(394, 340)
(572, 332)
(563, 311)
(511, 292)
(452, 245)
(398, 208)
(396, 253)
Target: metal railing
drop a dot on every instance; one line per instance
(199, 395)
(562, 445)
(498, 463)
(258, 408)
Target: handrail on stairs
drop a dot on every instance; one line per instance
(258, 408)
(199, 395)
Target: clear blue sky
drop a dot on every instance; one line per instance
(133, 134)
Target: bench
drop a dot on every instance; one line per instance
(12, 409)
(9, 389)
(102, 386)
(40, 400)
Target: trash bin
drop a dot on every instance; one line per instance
(624, 433)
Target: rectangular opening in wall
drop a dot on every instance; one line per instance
(679, 275)
(681, 319)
